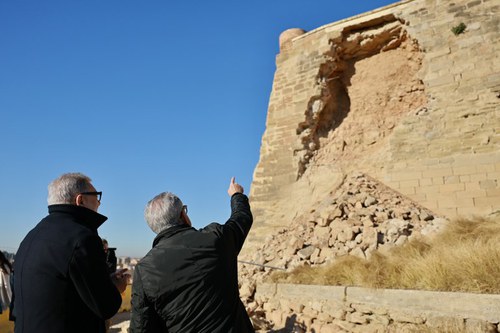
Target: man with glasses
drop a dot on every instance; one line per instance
(188, 282)
(61, 281)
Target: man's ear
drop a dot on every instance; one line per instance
(79, 200)
(185, 218)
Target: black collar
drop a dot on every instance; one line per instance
(170, 232)
(83, 215)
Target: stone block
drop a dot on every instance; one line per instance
(331, 328)
(476, 325)
(464, 179)
(425, 182)
(329, 293)
(438, 180)
(440, 81)
(308, 311)
(409, 183)
(478, 177)
(494, 192)
(445, 323)
(448, 212)
(344, 325)
(414, 175)
(405, 317)
(407, 190)
(357, 318)
(305, 320)
(278, 318)
(465, 170)
(494, 175)
(380, 319)
(485, 168)
(487, 202)
(325, 317)
(441, 172)
(427, 189)
(335, 310)
(451, 187)
(266, 290)
(371, 328)
(488, 184)
(470, 194)
(484, 307)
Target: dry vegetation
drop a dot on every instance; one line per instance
(6, 326)
(126, 297)
(464, 257)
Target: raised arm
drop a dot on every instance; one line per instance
(240, 221)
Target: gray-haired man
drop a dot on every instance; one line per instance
(61, 281)
(188, 282)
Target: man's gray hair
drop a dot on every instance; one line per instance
(163, 212)
(64, 189)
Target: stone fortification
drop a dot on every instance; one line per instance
(394, 94)
(330, 309)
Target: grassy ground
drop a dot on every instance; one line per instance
(6, 326)
(464, 257)
(126, 296)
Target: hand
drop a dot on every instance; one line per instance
(234, 188)
(120, 279)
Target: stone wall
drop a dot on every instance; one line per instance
(306, 308)
(393, 93)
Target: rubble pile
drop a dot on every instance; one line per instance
(360, 216)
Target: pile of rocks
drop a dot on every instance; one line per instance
(357, 218)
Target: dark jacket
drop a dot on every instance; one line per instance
(61, 280)
(188, 282)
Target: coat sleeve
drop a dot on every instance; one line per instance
(239, 223)
(144, 317)
(91, 279)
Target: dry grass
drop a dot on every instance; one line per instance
(126, 296)
(6, 326)
(464, 257)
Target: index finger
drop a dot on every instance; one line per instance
(232, 180)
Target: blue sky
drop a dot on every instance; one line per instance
(143, 97)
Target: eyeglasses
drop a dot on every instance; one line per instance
(98, 194)
(185, 209)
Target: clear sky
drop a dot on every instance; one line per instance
(143, 97)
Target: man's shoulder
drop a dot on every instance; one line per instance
(211, 227)
(65, 231)
(59, 228)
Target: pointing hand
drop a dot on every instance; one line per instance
(234, 188)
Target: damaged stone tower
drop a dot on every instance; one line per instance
(398, 94)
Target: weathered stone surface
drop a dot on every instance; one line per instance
(306, 253)
(377, 130)
(367, 310)
(381, 94)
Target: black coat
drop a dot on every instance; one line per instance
(188, 282)
(61, 280)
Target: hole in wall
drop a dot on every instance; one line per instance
(368, 81)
